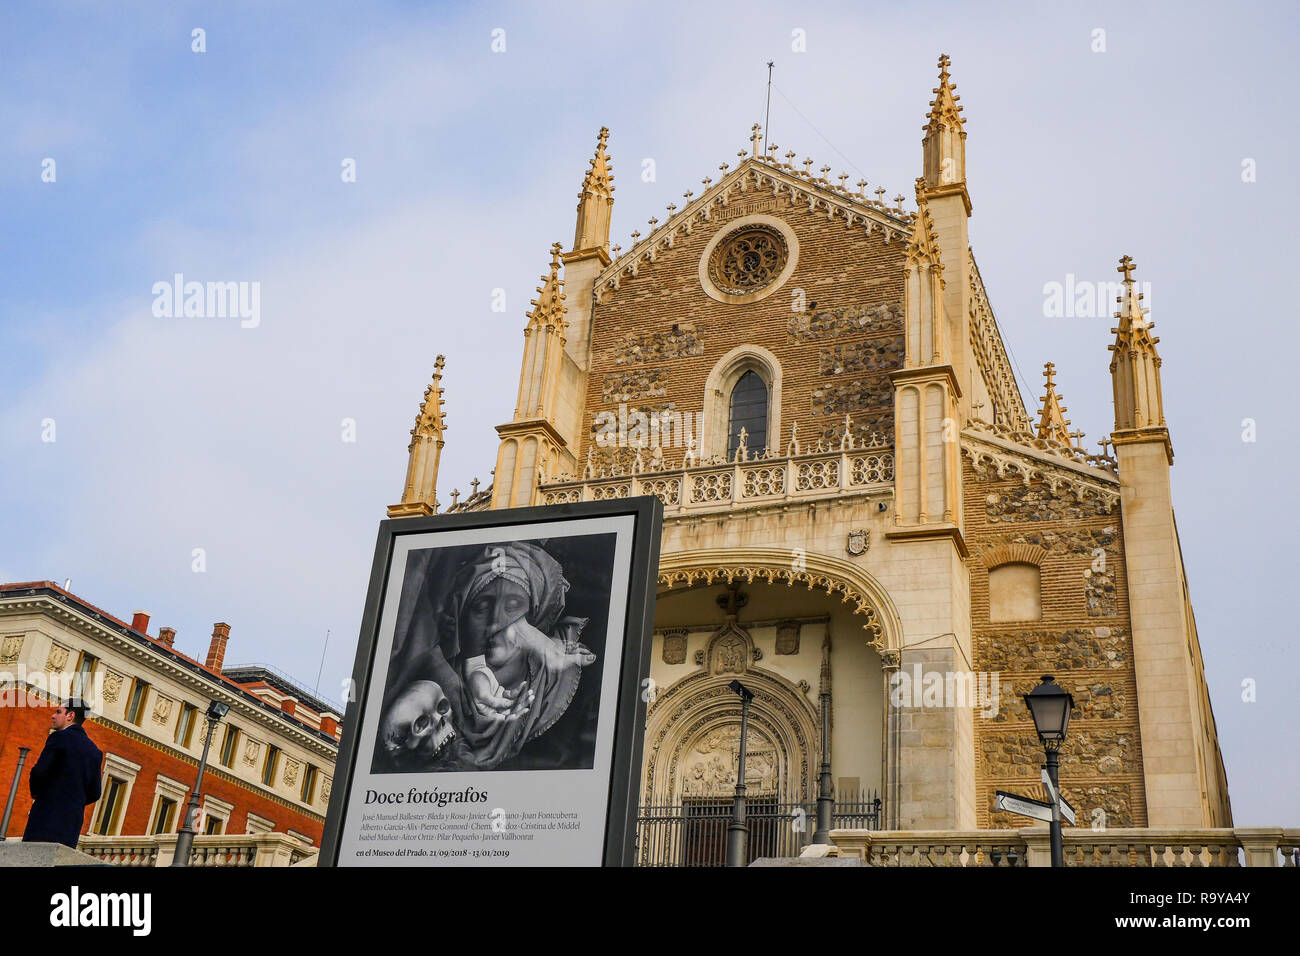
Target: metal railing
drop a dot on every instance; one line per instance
(694, 832)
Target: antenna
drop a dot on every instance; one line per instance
(767, 114)
(320, 669)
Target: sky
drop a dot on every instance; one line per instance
(128, 439)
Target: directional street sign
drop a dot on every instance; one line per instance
(1024, 806)
(1035, 809)
(1067, 811)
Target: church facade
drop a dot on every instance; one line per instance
(862, 522)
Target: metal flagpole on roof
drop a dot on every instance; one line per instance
(767, 114)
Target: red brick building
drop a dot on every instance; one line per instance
(271, 763)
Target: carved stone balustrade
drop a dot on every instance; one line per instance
(715, 485)
(1114, 846)
(225, 850)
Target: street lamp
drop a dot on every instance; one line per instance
(738, 831)
(825, 791)
(1049, 705)
(185, 838)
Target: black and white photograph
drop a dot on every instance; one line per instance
(491, 656)
(497, 692)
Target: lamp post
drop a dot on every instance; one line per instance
(737, 830)
(13, 792)
(825, 794)
(1050, 705)
(185, 838)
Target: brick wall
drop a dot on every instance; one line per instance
(28, 726)
(637, 359)
(1083, 639)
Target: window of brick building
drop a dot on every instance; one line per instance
(748, 412)
(228, 746)
(85, 674)
(164, 817)
(308, 784)
(111, 803)
(136, 702)
(185, 725)
(272, 761)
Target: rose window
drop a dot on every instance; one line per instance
(748, 260)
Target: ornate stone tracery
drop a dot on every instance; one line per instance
(691, 724)
(748, 260)
(701, 569)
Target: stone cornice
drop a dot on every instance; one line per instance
(1005, 457)
(525, 425)
(927, 373)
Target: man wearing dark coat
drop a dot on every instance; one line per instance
(65, 780)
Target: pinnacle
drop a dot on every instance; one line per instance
(548, 307)
(943, 108)
(1053, 424)
(1132, 315)
(600, 177)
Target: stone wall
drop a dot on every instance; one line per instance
(1083, 639)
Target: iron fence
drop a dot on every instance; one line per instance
(694, 832)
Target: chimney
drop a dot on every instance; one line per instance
(289, 705)
(217, 649)
(329, 724)
(167, 635)
(140, 622)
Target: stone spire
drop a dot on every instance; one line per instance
(927, 491)
(944, 144)
(532, 444)
(923, 247)
(943, 186)
(543, 345)
(925, 323)
(595, 203)
(1052, 423)
(1135, 364)
(419, 494)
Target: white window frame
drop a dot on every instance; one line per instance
(212, 807)
(172, 790)
(126, 771)
(258, 824)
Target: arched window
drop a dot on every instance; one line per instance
(748, 411)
